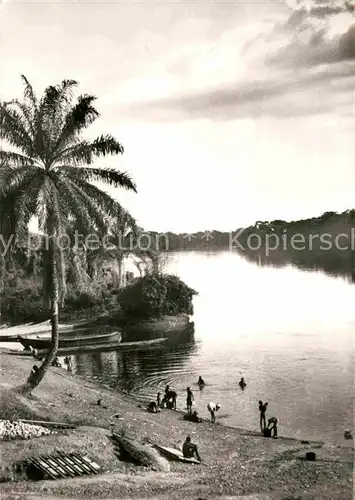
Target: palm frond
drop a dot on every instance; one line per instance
(54, 106)
(109, 176)
(94, 210)
(109, 205)
(28, 92)
(71, 203)
(28, 113)
(79, 117)
(15, 159)
(13, 179)
(13, 129)
(27, 200)
(86, 152)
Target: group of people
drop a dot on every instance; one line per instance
(169, 401)
(272, 422)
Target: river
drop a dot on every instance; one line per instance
(288, 332)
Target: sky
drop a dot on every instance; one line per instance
(229, 112)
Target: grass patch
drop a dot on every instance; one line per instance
(14, 406)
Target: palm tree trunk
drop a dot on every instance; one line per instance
(119, 265)
(35, 378)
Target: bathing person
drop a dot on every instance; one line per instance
(262, 409)
(67, 361)
(213, 408)
(348, 434)
(158, 400)
(170, 399)
(272, 423)
(200, 382)
(242, 384)
(189, 399)
(153, 407)
(189, 449)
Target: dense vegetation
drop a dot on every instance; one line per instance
(156, 295)
(23, 300)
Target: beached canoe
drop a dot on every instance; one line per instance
(12, 333)
(114, 346)
(67, 341)
(174, 454)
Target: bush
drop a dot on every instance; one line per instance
(154, 296)
(23, 301)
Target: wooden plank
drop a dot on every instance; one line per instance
(45, 423)
(43, 468)
(69, 460)
(57, 467)
(92, 466)
(63, 465)
(83, 466)
(75, 462)
(69, 470)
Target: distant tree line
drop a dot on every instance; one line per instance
(256, 239)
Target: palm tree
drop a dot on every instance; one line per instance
(48, 176)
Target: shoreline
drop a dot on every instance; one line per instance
(138, 401)
(235, 461)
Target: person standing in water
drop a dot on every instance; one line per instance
(242, 384)
(201, 382)
(189, 400)
(67, 361)
(262, 409)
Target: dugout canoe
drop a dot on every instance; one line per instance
(41, 342)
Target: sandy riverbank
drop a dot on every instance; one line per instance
(235, 462)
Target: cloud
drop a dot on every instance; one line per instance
(315, 32)
(320, 92)
(290, 63)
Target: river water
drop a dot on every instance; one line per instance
(288, 332)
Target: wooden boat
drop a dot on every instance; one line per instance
(114, 346)
(174, 454)
(66, 341)
(12, 333)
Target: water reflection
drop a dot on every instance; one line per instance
(334, 266)
(129, 369)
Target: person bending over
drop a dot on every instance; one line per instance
(153, 407)
(170, 399)
(213, 408)
(272, 423)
